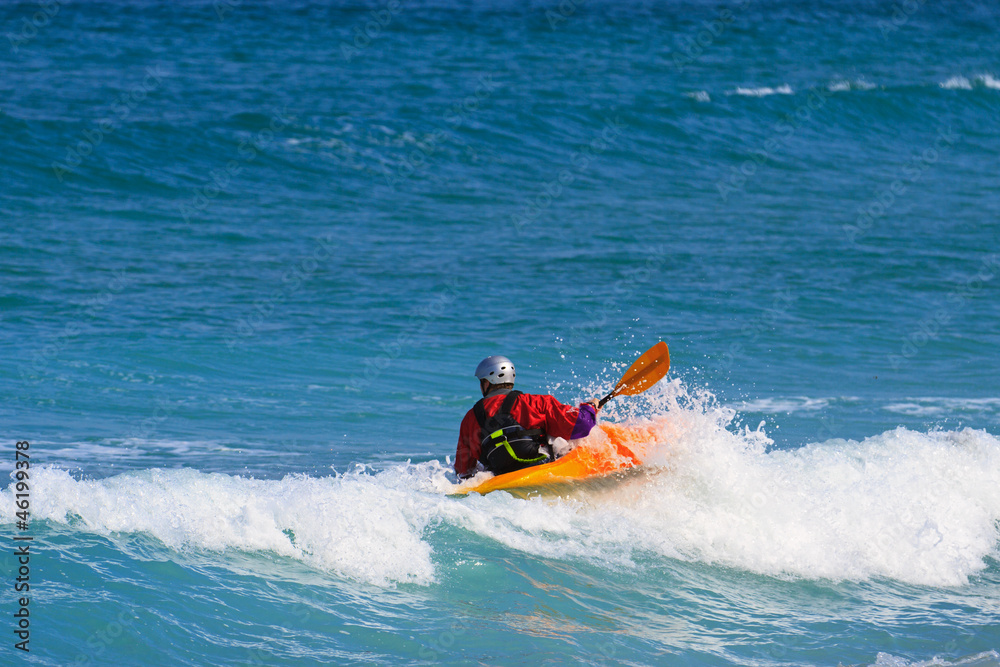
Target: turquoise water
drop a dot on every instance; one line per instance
(251, 254)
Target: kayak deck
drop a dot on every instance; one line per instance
(609, 448)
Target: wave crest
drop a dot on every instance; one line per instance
(922, 508)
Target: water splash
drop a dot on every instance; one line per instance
(921, 508)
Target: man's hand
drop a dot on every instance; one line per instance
(596, 402)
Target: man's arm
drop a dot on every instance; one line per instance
(586, 420)
(559, 420)
(467, 451)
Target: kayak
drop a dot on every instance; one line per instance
(608, 449)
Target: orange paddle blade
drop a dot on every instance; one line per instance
(645, 372)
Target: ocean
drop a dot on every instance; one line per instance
(251, 253)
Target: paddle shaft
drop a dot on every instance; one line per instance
(607, 398)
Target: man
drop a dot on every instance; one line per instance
(507, 430)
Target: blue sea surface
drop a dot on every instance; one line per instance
(250, 254)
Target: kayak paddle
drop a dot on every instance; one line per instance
(643, 374)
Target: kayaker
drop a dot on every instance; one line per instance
(508, 430)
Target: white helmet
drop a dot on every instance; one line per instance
(496, 370)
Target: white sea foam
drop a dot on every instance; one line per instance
(964, 83)
(354, 524)
(784, 405)
(762, 91)
(843, 85)
(129, 451)
(915, 409)
(916, 507)
(936, 407)
(699, 96)
(957, 83)
(989, 81)
(921, 508)
(984, 659)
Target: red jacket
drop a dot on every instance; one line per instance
(530, 411)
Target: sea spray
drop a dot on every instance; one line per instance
(920, 508)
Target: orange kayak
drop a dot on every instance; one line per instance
(608, 448)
